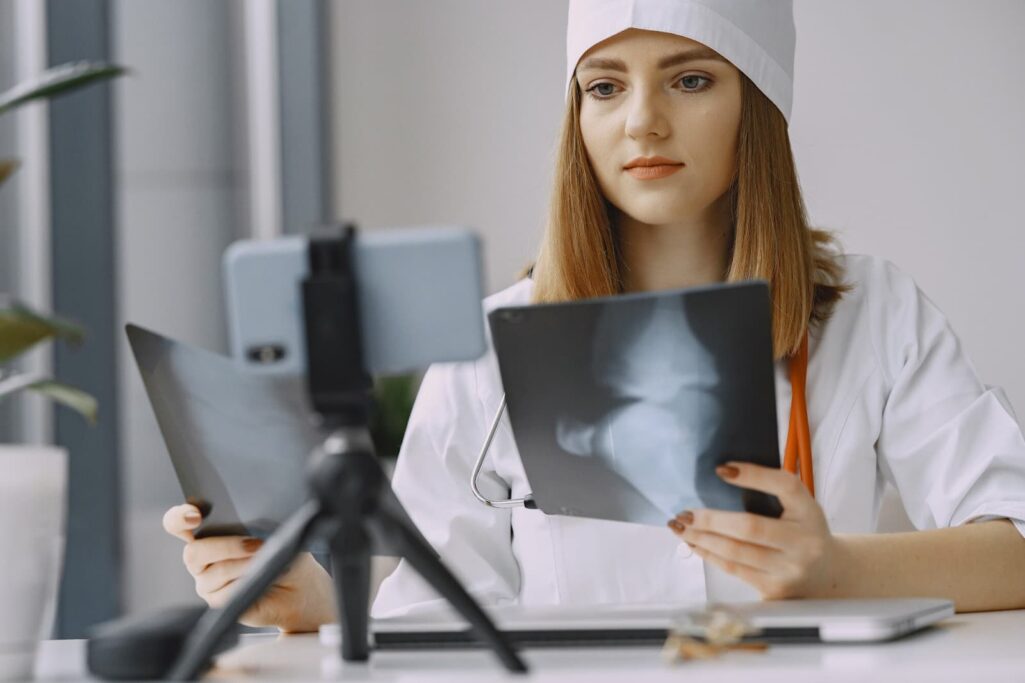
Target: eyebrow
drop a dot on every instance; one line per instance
(691, 55)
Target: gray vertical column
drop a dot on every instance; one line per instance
(8, 197)
(177, 196)
(303, 90)
(8, 150)
(305, 143)
(84, 290)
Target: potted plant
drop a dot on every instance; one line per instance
(33, 479)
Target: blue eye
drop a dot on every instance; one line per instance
(691, 83)
(602, 90)
(694, 83)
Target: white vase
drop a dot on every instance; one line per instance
(32, 494)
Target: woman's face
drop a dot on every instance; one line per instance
(647, 94)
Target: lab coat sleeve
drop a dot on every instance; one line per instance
(432, 479)
(951, 446)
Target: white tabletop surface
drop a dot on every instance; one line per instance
(971, 647)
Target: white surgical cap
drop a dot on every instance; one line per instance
(756, 36)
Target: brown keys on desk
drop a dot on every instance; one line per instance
(705, 635)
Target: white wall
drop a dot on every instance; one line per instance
(907, 131)
(909, 140)
(447, 112)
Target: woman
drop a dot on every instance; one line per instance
(675, 170)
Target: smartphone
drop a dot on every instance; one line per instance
(419, 291)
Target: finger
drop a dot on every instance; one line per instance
(750, 575)
(742, 526)
(780, 483)
(261, 613)
(748, 554)
(218, 598)
(181, 520)
(201, 553)
(220, 574)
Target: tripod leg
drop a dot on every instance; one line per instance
(350, 563)
(435, 573)
(275, 556)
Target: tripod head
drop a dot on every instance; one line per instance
(339, 385)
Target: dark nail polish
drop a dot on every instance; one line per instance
(686, 517)
(727, 471)
(251, 545)
(676, 526)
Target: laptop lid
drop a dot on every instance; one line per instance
(784, 621)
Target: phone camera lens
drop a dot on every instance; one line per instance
(265, 354)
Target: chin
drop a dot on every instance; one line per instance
(657, 212)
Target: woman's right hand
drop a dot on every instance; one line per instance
(301, 599)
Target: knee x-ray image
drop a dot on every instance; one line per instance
(621, 408)
(663, 381)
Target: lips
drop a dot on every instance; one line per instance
(647, 162)
(652, 168)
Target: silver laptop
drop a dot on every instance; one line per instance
(784, 621)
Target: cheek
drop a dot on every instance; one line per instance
(599, 143)
(712, 142)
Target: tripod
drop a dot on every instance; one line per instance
(346, 482)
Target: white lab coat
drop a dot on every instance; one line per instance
(891, 397)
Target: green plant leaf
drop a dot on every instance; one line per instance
(57, 80)
(76, 399)
(21, 329)
(7, 169)
(393, 403)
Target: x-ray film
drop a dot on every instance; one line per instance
(622, 407)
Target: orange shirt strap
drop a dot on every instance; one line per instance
(797, 456)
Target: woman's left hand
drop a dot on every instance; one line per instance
(789, 557)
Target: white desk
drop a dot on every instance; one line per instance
(976, 648)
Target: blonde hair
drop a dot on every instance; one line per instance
(771, 238)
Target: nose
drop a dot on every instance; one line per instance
(645, 116)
